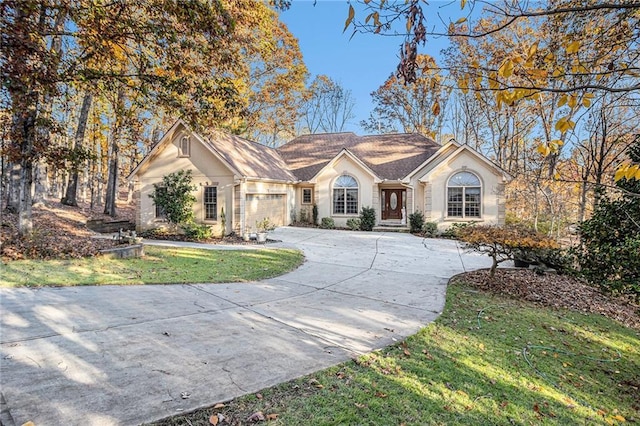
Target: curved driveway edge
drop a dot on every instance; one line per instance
(113, 355)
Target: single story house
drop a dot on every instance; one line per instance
(340, 173)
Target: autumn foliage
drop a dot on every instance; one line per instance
(505, 243)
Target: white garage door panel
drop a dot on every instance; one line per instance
(259, 206)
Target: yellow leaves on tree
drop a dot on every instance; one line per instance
(552, 147)
(565, 124)
(628, 171)
(573, 47)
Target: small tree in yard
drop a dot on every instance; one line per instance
(175, 197)
(503, 243)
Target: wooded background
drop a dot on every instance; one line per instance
(548, 94)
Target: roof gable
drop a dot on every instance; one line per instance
(177, 127)
(242, 157)
(389, 156)
(346, 153)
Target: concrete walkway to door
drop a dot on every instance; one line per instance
(114, 355)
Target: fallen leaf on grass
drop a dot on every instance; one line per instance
(218, 406)
(272, 416)
(214, 419)
(256, 417)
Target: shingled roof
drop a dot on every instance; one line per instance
(391, 156)
(250, 159)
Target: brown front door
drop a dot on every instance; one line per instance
(392, 203)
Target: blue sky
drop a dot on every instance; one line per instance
(360, 64)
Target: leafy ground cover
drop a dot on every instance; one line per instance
(490, 359)
(158, 266)
(59, 232)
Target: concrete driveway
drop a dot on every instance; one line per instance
(125, 355)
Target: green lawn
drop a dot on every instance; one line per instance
(158, 266)
(488, 360)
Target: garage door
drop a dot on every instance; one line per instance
(259, 206)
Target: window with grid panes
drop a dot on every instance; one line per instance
(307, 197)
(210, 203)
(345, 195)
(160, 213)
(464, 196)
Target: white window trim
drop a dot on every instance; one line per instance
(156, 218)
(344, 214)
(181, 144)
(204, 205)
(464, 217)
(302, 196)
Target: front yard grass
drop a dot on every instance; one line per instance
(488, 360)
(158, 266)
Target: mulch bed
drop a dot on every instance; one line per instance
(231, 239)
(553, 290)
(59, 232)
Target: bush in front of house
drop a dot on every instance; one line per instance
(197, 231)
(453, 232)
(354, 224)
(367, 218)
(430, 229)
(327, 223)
(416, 221)
(175, 197)
(314, 213)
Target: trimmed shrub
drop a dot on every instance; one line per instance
(453, 232)
(197, 231)
(416, 222)
(367, 218)
(354, 224)
(314, 213)
(430, 229)
(304, 215)
(327, 223)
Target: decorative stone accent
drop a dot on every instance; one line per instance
(124, 252)
(99, 225)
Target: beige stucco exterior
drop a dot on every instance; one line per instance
(207, 170)
(430, 187)
(324, 181)
(247, 200)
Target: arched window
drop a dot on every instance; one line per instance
(184, 150)
(464, 195)
(345, 195)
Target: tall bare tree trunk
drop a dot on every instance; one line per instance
(112, 181)
(40, 181)
(71, 196)
(13, 188)
(26, 129)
